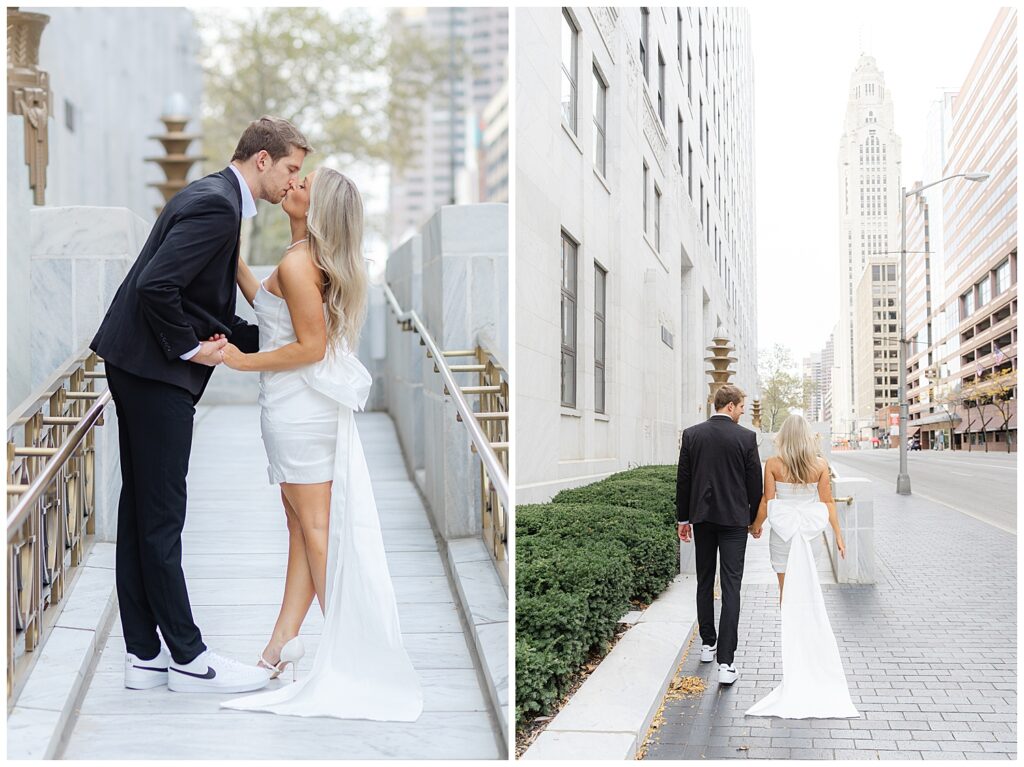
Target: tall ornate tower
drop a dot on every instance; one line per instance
(869, 218)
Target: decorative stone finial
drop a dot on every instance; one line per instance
(28, 93)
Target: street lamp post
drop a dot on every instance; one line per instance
(903, 479)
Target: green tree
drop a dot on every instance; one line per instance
(355, 85)
(781, 387)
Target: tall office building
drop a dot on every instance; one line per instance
(634, 232)
(869, 218)
(876, 342)
(813, 383)
(978, 337)
(828, 361)
(478, 38)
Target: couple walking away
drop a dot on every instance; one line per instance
(171, 322)
(720, 498)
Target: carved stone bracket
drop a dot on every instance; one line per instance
(28, 93)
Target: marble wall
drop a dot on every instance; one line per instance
(406, 358)
(857, 521)
(458, 265)
(77, 258)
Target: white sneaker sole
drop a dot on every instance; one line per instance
(179, 683)
(727, 680)
(144, 680)
(707, 657)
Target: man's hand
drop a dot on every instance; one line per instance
(755, 530)
(685, 532)
(209, 352)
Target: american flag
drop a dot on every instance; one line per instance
(999, 354)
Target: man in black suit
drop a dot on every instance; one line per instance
(718, 489)
(180, 291)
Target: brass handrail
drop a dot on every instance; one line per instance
(58, 457)
(51, 461)
(495, 489)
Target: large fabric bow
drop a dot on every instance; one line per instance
(790, 516)
(342, 377)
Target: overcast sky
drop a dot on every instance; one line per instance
(803, 59)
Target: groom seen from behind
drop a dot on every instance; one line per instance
(180, 291)
(718, 489)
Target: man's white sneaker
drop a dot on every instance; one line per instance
(707, 652)
(210, 672)
(142, 674)
(727, 673)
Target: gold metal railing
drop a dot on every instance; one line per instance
(51, 497)
(487, 426)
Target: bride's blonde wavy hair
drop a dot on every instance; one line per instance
(798, 450)
(335, 224)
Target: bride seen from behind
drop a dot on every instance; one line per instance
(797, 505)
(310, 312)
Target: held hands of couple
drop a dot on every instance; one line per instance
(218, 349)
(755, 530)
(685, 532)
(209, 353)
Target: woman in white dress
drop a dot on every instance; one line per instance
(798, 504)
(310, 310)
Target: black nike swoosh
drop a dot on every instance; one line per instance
(210, 673)
(149, 668)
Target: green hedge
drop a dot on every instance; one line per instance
(648, 487)
(652, 548)
(579, 560)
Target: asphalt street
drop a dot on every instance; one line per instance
(981, 485)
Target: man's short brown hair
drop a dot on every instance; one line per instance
(274, 134)
(728, 394)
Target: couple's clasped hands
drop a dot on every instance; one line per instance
(216, 350)
(686, 531)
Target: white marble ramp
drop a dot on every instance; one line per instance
(235, 549)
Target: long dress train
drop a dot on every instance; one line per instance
(813, 681)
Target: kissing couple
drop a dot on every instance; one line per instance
(171, 322)
(720, 499)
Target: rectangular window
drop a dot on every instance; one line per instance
(647, 173)
(967, 304)
(679, 142)
(645, 18)
(661, 87)
(679, 36)
(600, 112)
(600, 291)
(1003, 277)
(689, 75)
(569, 253)
(701, 204)
(570, 45)
(984, 291)
(657, 218)
(700, 124)
(689, 170)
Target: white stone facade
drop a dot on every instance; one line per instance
(870, 155)
(670, 277)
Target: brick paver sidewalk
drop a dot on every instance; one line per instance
(929, 652)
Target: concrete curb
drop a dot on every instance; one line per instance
(609, 715)
(484, 604)
(36, 725)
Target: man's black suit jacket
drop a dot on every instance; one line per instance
(181, 289)
(719, 477)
